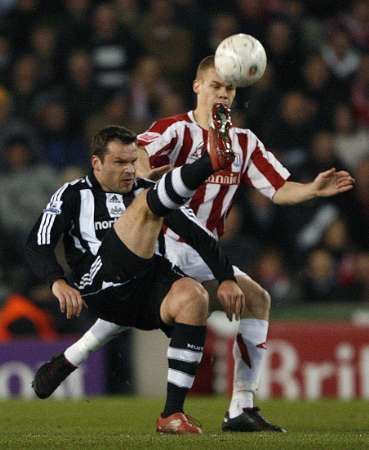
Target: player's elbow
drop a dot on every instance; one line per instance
(277, 198)
(282, 196)
(29, 253)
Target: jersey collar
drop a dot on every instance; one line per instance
(193, 120)
(92, 181)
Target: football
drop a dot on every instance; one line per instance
(240, 60)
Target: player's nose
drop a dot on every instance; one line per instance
(223, 94)
(130, 168)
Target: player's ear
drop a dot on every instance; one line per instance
(195, 86)
(95, 162)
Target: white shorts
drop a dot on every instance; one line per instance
(189, 261)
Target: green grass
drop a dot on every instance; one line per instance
(128, 423)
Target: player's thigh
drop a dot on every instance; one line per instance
(119, 261)
(138, 228)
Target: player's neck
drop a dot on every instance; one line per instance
(201, 117)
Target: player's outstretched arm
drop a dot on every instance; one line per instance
(70, 300)
(326, 184)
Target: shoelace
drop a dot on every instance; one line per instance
(256, 410)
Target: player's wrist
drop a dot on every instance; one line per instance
(58, 282)
(228, 278)
(313, 191)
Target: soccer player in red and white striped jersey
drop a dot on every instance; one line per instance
(183, 138)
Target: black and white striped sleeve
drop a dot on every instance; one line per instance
(185, 223)
(43, 238)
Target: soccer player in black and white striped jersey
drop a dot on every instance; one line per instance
(118, 273)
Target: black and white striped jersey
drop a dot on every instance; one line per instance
(81, 213)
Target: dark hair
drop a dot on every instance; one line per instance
(205, 64)
(102, 138)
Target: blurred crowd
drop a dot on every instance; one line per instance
(68, 68)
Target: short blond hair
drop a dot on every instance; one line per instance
(204, 65)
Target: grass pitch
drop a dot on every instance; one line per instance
(128, 423)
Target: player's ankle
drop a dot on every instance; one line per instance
(244, 398)
(169, 412)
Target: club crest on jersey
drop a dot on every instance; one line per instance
(237, 161)
(54, 207)
(114, 204)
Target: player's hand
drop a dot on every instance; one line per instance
(70, 300)
(156, 173)
(232, 299)
(332, 182)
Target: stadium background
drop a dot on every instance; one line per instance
(69, 67)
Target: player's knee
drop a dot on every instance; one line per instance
(262, 300)
(190, 295)
(266, 300)
(258, 300)
(200, 298)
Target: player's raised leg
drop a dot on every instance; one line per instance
(138, 228)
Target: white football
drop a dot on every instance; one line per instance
(240, 60)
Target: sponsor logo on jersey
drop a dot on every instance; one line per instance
(148, 137)
(114, 204)
(114, 199)
(104, 224)
(54, 207)
(226, 178)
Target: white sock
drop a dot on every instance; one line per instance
(248, 353)
(98, 335)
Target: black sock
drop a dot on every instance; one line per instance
(184, 355)
(176, 187)
(195, 174)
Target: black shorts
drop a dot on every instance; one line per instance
(121, 287)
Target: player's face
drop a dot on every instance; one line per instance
(117, 172)
(211, 89)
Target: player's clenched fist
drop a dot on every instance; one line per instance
(70, 300)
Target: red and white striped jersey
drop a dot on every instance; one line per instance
(179, 139)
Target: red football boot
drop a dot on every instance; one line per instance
(219, 142)
(177, 423)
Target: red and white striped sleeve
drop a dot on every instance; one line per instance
(160, 140)
(263, 170)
